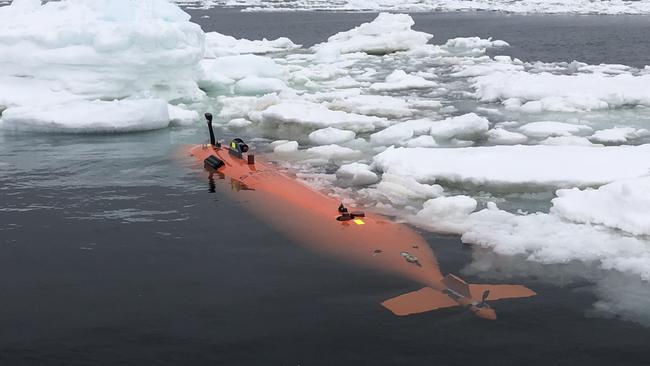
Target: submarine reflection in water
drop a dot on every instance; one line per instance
(321, 222)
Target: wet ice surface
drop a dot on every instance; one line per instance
(122, 199)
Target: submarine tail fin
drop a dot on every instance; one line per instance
(420, 301)
(497, 292)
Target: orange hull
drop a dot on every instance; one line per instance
(310, 217)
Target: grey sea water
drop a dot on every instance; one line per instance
(112, 252)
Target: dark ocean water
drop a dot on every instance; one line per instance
(114, 253)
(593, 39)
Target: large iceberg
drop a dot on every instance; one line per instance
(103, 49)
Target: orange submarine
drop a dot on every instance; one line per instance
(320, 221)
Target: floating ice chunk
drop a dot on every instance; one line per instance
(447, 214)
(403, 190)
(387, 33)
(619, 135)
(621, 205)
(400, 80)
(567, 140)
(103, 49)
(331, 135)
(612, 69)
(501, 136)
(473, 43)
(181, 117)
(374, 105)
(333, 152)
(422, 141)
(485, 69)
(467, 127)
(238, 123)
(565, 93)
(356, 174)
(232, 107)
(217, 44)
(551, 239)
(315, 115)
(528, 167)
(213, 82)
(545, 129)
(90, 116)
(253, 85)
(241, 66)
(285, 146)
(401, 132)
(425, 104)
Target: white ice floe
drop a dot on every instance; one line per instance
(544, 129)
(448, 214)
(238, 123)
(466, 127)
(313, 115)
(285, 146)
(331, 135)
(244, 74)
(621, 205)
(550, 239)
(374, 105)
(387, 33)
(518, 167)
(253, 85)
(333, 152)
(564, 93)
(500, 136)
(217, 44)
(404, 190)
(400, 80)
(567, 140)
(619, 135)
(83, 116)
(356, 174)
(473, 44)
(103, 49)
(181, 116)
(401, 132)
(422, 141)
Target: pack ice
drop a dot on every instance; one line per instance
(541, 161)
(73, 53)
(521, 6)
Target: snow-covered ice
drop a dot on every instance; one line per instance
(58, 58)
(331, 135)
(313, 115)
(102, 48)
(400, 80)
(544, 129)
(520, 167)
(621, 205)
(387, 33)
(356, 174)
(91, 116)
(564, 93)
